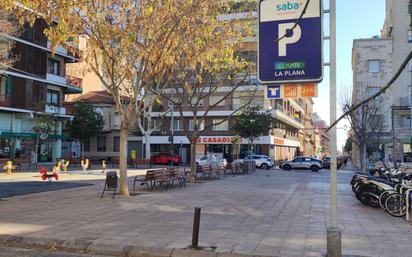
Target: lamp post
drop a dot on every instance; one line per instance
(334, 247)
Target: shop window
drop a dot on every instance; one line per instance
(374, 66)
(101, 144)
(222, 126)
(405, 121)
(53, 66)
(53, 97)
(191, 125)
(86, 145)
(116, 144)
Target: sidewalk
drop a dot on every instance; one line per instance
(267, 213)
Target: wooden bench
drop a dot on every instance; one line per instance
(208, 171)
(163, 177)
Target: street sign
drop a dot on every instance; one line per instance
(305, 90)
(298, 57)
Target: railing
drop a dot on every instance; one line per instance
(74, 81)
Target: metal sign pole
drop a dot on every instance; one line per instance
(334, 248)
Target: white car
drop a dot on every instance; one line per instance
(205, 160)
(262, 161)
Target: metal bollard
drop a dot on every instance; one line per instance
(196, 224)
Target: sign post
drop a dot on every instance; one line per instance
(290, 52)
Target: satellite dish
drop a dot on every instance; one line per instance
(44, 136)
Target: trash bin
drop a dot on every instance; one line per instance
(110, 183)
(249, 166)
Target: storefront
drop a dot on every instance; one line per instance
(276, 148)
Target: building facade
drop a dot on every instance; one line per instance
(375, 61)
(38, 76)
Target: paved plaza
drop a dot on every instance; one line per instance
(268, 213)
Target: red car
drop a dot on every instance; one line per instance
(166, 159)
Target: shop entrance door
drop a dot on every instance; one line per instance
(226, 150)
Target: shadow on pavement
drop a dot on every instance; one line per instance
(9, 189)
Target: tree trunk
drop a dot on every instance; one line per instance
(82, 146)
(124, 187)
(147, 145)
(362, 154)
(193, 158)
(36, 151)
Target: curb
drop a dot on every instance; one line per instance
(90, 247)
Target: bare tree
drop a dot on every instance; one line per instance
(193, 99)
(366, 122)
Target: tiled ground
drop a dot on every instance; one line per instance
(275, 213)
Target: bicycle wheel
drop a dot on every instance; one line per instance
(395, 205)
(384, 196)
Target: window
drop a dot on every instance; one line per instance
(409, 36)
(374, 66)
(375, 121)
(116, 119)
(214, 99)
(53, 66)
(116, 144)
(222, 126)
(53, 97)
(86, 144)
(372, 90)
(156, 125)
(5, 85)
(405, 121)
(191, 125)
(177, 125)
(101, 144)
(195, 101)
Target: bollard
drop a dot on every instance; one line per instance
(196, 224)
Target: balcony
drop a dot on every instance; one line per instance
(287, 118)
(55, 109)
(56, 78)
(5, 100)
(74, 81)
(67, 50)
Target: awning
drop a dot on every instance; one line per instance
(26, 135)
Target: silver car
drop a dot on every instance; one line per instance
(302, 163)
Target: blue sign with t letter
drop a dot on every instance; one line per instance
(274, 91)
(289, 53)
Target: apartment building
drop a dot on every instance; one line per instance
(375, 60)
(106, 143)
(280, 144)
(37, 76)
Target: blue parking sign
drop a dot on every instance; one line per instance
(298, 57)
(273, 91)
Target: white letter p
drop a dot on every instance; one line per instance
(283, 30)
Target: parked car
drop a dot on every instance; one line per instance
(302, 163)
(262, 161)
(326, 162)
(205, 160)
(166, 159)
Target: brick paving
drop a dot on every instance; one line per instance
(275, 213)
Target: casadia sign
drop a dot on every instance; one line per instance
(214, 140)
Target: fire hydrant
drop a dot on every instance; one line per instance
(9, 167)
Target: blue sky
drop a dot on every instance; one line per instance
(355, 19)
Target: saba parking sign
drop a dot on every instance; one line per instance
(298, 57)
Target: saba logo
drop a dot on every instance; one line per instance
(288, 6)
